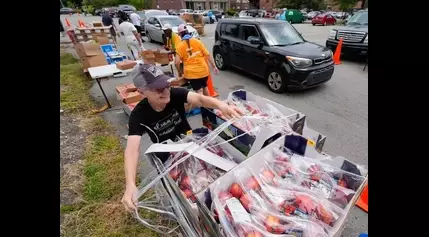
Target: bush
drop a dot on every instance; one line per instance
(230, 12)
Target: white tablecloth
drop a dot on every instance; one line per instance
(110, 70)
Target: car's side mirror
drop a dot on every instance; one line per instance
(157, 25)
(254, 40)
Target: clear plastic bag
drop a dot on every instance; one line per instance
(242, 211)
(288, 202)
(296, 172)
(257, 116)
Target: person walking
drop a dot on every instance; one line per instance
(210, 16)
(131, 38)
(108, 21)
(137, 21)
(194, 56)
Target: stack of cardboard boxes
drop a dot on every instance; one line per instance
(156, 56)
(129, 96)
(90, 54)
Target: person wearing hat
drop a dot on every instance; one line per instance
(194, 55)
(172, 39)
(162, 115)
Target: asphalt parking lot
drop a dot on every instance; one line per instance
(337, 109)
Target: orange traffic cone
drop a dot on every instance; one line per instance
(337, 53)
(81, 24)
(210, 87)
(68, 23)
(363, 199)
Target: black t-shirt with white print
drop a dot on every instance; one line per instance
(164, 125)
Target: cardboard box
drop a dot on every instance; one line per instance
(162, 57)
(88, 49)
(131, 97)
(148, 57)
(102, 40)
(128, 108)
(94, 61)
(125, 65)
(200, 29)
(130, 87)
(97, 24)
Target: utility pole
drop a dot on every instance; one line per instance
(62, 4)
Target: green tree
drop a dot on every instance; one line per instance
(298, 4)
(345, 5)
(138, 4)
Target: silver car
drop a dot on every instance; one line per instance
(154, 26)
(146, 14)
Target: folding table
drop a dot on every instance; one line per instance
(110, 71)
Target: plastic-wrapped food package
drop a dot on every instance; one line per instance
(243, 214)
(194, 174)
(288, 202)
(336, 185)
(269, 116)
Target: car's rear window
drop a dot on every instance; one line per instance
(229, 30)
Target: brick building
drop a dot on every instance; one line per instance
(268, 5)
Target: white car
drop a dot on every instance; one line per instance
(154, 26)
(183, 11)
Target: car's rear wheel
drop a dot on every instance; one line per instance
(314, 24)
(276, 80)
(219, 61)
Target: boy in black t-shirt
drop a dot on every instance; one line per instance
(162, 115)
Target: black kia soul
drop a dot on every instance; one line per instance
(273, 50)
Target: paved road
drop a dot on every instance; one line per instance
(338, 109)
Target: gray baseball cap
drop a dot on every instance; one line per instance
(149, 76)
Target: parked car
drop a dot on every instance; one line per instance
(341, 15)
(173, 12)
(127, 8)
(98, 12)
(304, 13)
(334, 14)
(294, 16)
(324, 19)
(66, 10)
(312, 14)
(252, 13)
(273, 50)
(182, 11)
(111, 10)
(146, 14)
(154, 26)
(354, 34)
